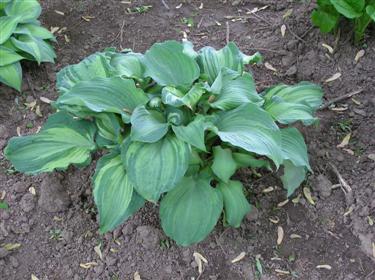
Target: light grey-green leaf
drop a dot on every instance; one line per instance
(7, 26)
(223, 166)
(8, 56)
(155, 168)
(128, 65)
(174, 97)
(236, 205)
(168, 65)
(251, 128)
(94, 66)
(63, 141)
(190, 211)
(147, 125)
(294, 147)
(111, 95)
(112, 191)
(293, 176)
(233, 90)
(11, 75)
(28, 10)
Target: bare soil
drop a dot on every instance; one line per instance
(57, 227)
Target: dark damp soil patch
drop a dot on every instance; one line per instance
(54, 244)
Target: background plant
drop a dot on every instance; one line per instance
(329, 12)
(21, 37)
(176, 124)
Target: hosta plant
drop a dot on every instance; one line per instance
(329, 12)
(174, 125)
(21, 37)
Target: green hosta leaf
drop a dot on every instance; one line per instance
(233, 90)
(8, 56)
(189, 49)
(224, 166)
(168, 65)
(256, 58)
(109, 127)
(148, 125)
(193, 133)
(288, 104)
(7, 27)
(35, 31)
(293, 176)
(28, 10)
(174, 97)
(112, 191)
(211, 61)
(294, 147)
(370, 9)
(62, 142)
(3, 3)
(190, 211)
(37, 48)
(155, 168)
(236, 205)
(349, 8)
(247, 160)
(94, 66)
(325, 17)
(111, 95)
(251, 128)
(128, 65)
(11, 75)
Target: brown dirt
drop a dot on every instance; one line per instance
(53, 244)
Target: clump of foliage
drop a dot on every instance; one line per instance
(22, 37)
(329, 12)
(176, 124)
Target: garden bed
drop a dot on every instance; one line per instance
(52, 217)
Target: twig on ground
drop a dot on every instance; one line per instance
(340, 98)
(122, 32)
(282, 52)
(228, 31)
(344, 185)
(200, 23)
(165, 4)
(295, 35)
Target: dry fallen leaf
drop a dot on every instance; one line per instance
(113, 250)
(54, 29)
(179, 6)
(66, 38)
(2, 196)
(200, 6)
(59, 12)
(296, 199)
(344, 141)
(33, 277)
(307, 193)
(350, 210)
(137, 276)
(274, 220)
(324, 266)
(18, 129)
(295, 236)
(373, 249)
(355, 101)
(288, 13)
(339, 109)
(282, 203)
(333, 78)
(98, 250)
(359, 55)
(88, 265)
(349, 151)
(269, 189)
(11, 246)
(328, 47)
(280, 235)
(370, 221)
(199, 259)
(45, 100)
(283, 29)
(269, 67)
(38, 112)
(239, 257)
(285, 272)
(217, 23)
(32, 190)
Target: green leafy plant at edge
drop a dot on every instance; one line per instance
(22, 37)
(329, 12)
(175, 125)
